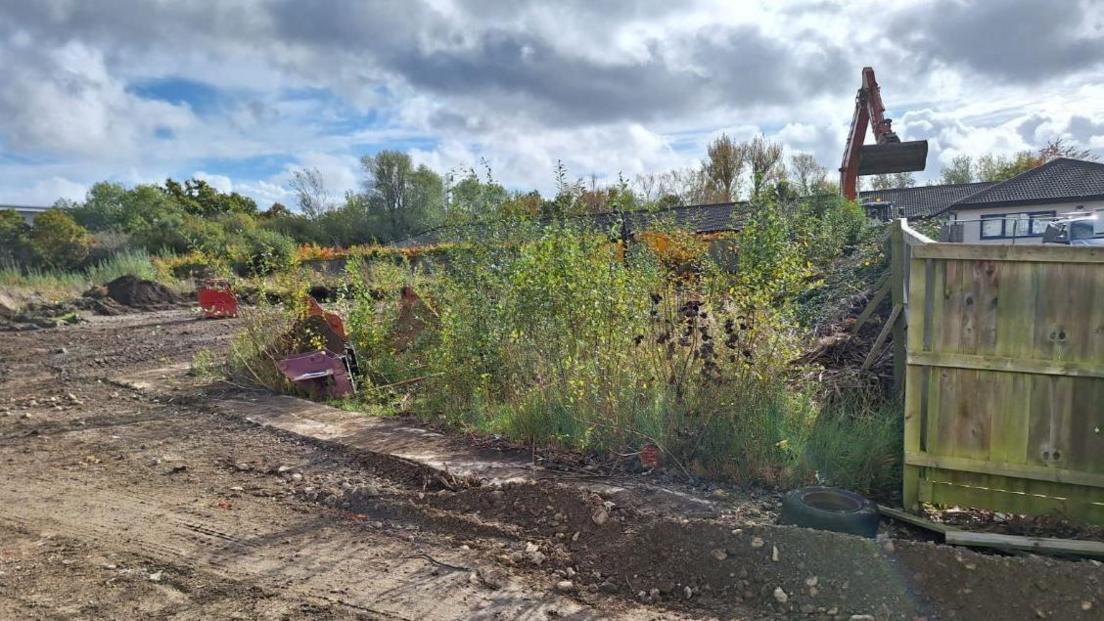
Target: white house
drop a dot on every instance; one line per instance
(1015, 211)
(1018, 210)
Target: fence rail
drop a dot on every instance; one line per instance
(1004, 375)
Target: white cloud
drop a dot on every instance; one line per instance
(66, 103)
(47, 191)
(222, 183)
(605, 87)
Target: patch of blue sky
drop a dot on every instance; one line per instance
(396, 143)
(333, 115)
(202, 98)
(23, 159)
(256, 167)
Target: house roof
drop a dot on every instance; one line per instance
(709, 218)
(1061, 180)
(924, 201)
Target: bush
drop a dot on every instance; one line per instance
(858, 448)
(195, 264)
(14, 237)
(58, 241)
(555, 338)
(553, 335)
(259, 251)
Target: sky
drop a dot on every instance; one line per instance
(241, 93)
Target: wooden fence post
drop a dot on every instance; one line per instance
(898, 254)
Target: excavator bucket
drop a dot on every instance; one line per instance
(217, 299)
(893, 157)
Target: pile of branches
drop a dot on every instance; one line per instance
(839, 352)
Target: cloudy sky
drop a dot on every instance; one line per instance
(241, 92)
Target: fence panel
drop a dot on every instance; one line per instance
(1004, 391)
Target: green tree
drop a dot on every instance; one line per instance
(401, 199)
(892, 181)
(103, 208)
(809, 177)
(14, 237)
(1002, 168)
(311, 193)
(723, 165)
(199, 198)
(58, 241)
(961, 170)
(764, 158)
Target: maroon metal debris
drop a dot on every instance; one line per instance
(321, 373)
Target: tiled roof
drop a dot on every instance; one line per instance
(924, 201)
(1059, 180)
(698, 218)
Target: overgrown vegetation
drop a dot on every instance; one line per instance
(527, 321)
(555, 334)
(53, 284)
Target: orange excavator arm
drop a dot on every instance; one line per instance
(888, 155)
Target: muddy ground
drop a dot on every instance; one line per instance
(121, 503)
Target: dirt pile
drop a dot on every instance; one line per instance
(126, 294)
(138, 293)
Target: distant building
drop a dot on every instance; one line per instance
(1018, 210)
(1015, 211)
(29, 213)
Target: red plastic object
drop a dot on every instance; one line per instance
(650, 457)
(320, 372)
(217, 302)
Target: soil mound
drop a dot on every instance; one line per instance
(138, 293)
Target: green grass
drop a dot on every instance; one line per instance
(857, 451)
(27, 284)
(133, 262)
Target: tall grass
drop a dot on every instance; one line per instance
(58, 285)
(133, 262)
(857, 447)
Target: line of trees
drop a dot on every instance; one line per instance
(964, 169)
(398, 199)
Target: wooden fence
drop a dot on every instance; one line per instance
(1004, 384)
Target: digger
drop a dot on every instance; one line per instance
(888, 155)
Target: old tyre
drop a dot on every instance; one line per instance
(828, 508)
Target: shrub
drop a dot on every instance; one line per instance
(553, 335)
(856, 447)
(14, 237)
(555, 338)
(260, 251)
(195, 264)
(58, 241)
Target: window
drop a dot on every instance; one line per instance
(992, 226)
(1008, 225)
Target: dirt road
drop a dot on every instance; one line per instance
(121, 503)
(115, 504)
